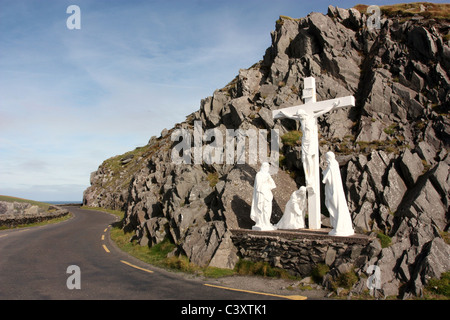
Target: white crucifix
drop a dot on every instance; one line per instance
(307, 114)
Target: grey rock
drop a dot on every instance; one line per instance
(380, 95)
(3, 207)
(371, 131)
(211, 107)
(249, 81)
(267, 90)
(218, 102)
(422, 41)
(344, 268)
(421, 232)
(201, 242)
(32, 210)
(330, 256)
(184, 217)
(376, 168)
(240, 109)
(411, 167)
(394, 190)
(435, 260)
(387, 263)
(440, 178)
(442, 75)
(362, 220)
(406, 94)
(226, 254)
(266, 116)
(156, 230)
(426, 152)
(415, 109)
(431, 138)
(417, 82)
(18, 208)
(425, 204)
(164, 132)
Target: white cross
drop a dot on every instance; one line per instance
(307, 114)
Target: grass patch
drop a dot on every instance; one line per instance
(120, 171)
(318, 272)
(291, 138)
(389, 146)
(392, 129)
(156, 255)
(213, 272)
(344, 148)
(384, 240)
(213, 178)
(347, 280)
(439, 288)
(282, 18)
(446, 236)
(260, 268)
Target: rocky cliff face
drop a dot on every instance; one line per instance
(392, 147)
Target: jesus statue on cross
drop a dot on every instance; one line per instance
(307, 114)
(310, 139)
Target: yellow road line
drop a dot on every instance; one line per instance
(103, 237)
(15, 231)
(292, 297)
(105, 230)
(106, 249)
(132, 265)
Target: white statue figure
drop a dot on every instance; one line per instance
(261, 210)
(335, 198)
(294, 213)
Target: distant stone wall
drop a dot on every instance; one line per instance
(300, 252)
(13, 214)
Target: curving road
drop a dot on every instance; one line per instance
(34, 262)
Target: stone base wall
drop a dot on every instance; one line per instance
(300, 252)
(11, 221)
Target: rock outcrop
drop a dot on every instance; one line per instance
(392, 147)
(13, 214)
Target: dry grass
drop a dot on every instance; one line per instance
(432, 10)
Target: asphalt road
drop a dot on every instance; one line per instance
(34, 263)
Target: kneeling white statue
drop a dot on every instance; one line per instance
(335, 198)
(294, 213)
(261, 210)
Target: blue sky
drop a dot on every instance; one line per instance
(70, 99)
